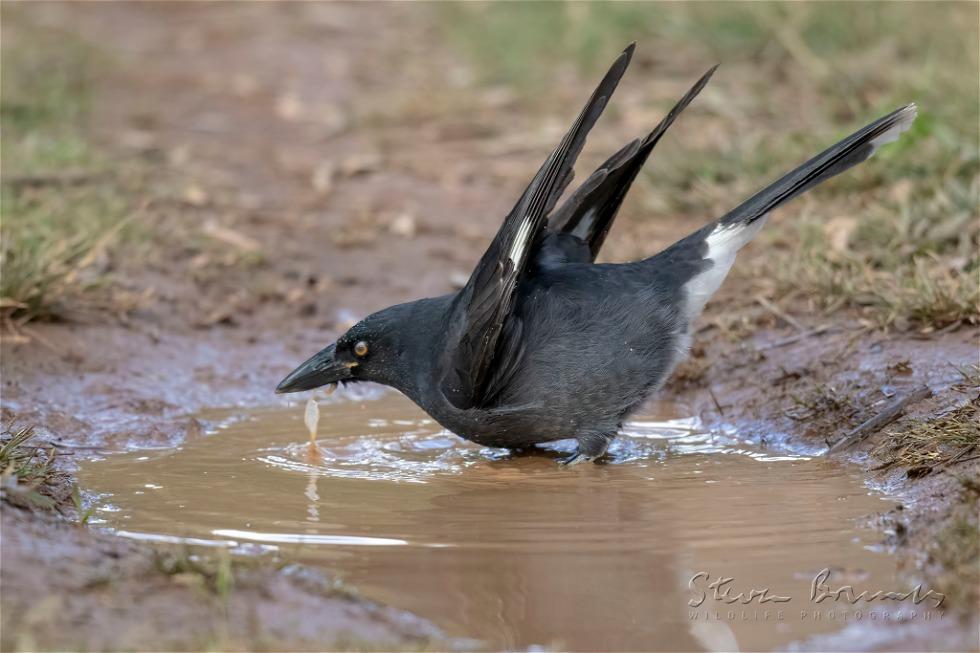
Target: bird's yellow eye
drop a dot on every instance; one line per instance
(361, 349)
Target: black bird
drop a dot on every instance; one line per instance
(543, 343)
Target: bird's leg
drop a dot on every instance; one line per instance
(590, 447)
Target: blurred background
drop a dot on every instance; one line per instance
(222, 164)
(197, 196)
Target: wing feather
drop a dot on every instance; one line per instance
(487, 300)
(590, 211)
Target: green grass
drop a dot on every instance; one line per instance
(47, 78)
(909, 258)
(28, 478)
(213, 574)
(795, 78)
(83, 513)
(59, 212)
(52, 240)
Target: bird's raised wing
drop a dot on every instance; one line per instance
(487, 299)
(591, 209)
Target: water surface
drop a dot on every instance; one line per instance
(516, 551)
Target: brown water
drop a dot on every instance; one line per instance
(517, 551)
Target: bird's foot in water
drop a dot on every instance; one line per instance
(590, 448)
(576, 458)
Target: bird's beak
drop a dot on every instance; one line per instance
(321, 369)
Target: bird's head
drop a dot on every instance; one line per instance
(381, 348)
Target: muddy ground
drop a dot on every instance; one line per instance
(296, 168)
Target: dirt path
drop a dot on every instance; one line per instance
(295, 176)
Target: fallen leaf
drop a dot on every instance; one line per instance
(403, 225)
(289, 107)
(195, 195)
(231, 237)
(295, 295)
(322, 177)
(838, 232)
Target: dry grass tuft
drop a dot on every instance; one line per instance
(61, 213)
(905, 264)
(926, 445)
(950, 438)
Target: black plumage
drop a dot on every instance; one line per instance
(544, 344)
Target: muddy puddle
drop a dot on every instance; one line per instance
(519, 552)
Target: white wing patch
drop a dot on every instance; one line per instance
(520, 242)
(723, 244)
(904, 123)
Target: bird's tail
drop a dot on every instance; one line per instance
(704, 258)
(848, 153)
